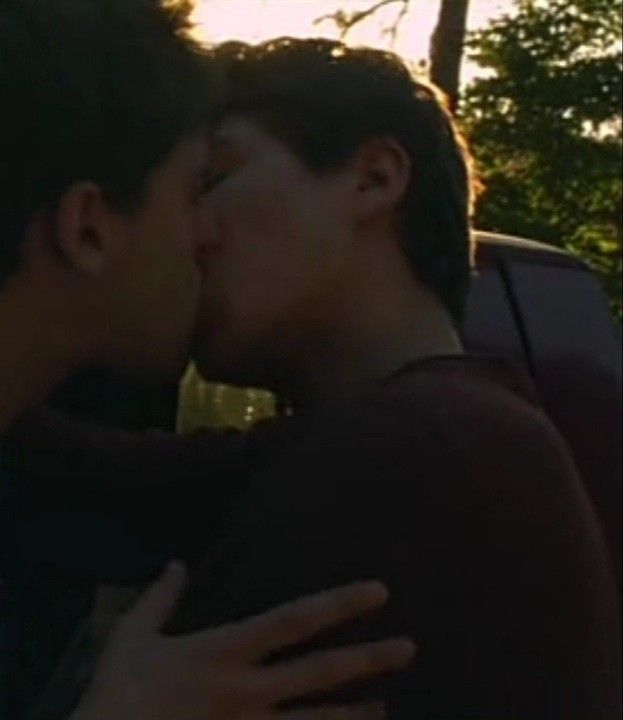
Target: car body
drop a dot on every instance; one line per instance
(545, 310)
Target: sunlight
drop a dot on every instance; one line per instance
(257, 20)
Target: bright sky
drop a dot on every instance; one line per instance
(257, 20)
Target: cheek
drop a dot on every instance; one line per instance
(242, 234)
(264, 253)
(264, 230)
(165, 273)
(249, 213)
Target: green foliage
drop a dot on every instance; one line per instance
(545, 124)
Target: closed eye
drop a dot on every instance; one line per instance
(210, 180)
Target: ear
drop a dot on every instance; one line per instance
(82, 230)
(384, 170)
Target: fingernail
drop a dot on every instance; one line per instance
(403, 650)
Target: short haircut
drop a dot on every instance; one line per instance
(98, 90)
(323, 99)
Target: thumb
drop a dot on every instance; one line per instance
(153, 606)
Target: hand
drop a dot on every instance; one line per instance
(216, 674)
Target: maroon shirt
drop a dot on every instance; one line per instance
(449, 483)
(446, 481)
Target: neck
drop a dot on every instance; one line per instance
(374, 335)
(40, 346)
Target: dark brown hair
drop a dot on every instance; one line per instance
(324, 99)
(98, 90)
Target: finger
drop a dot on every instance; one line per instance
(371, 711)
(300, 620)
(321, 671)
(154, 605)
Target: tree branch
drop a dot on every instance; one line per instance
(345, 22)
(392, 30)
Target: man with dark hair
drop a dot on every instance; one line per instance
(323, 102)
(335, 269)
(285, 85)
(335, 262)
(104, 104)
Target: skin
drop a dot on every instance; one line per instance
(98, 285)
(305, 288)
(217, 674)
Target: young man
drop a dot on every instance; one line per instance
(335, 266)
(103, 110)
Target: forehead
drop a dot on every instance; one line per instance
(240, 134)
(182, 164)
(184, 159)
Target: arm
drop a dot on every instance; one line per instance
(133, 498)
(58, 453)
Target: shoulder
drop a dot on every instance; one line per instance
(441, 403)
(457, 428)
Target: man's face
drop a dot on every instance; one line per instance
(275, 241)
(154, 281)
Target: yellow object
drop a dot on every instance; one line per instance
(213, 405)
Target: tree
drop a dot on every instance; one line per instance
(447, 43)
(446, 48)
(545, 125)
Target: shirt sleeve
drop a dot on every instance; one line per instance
(59, 453)
(133, 498)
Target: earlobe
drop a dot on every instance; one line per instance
(80, 229)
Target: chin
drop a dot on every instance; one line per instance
(167, 365)
(227, 369)
(152, 372)
(220, 372)
(177, 363)
(234, 360)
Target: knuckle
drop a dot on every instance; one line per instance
(248, 692)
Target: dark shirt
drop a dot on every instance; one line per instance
(96, 505)
(449, 483)
(135, 499)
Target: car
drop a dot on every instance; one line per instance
(546, 311)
